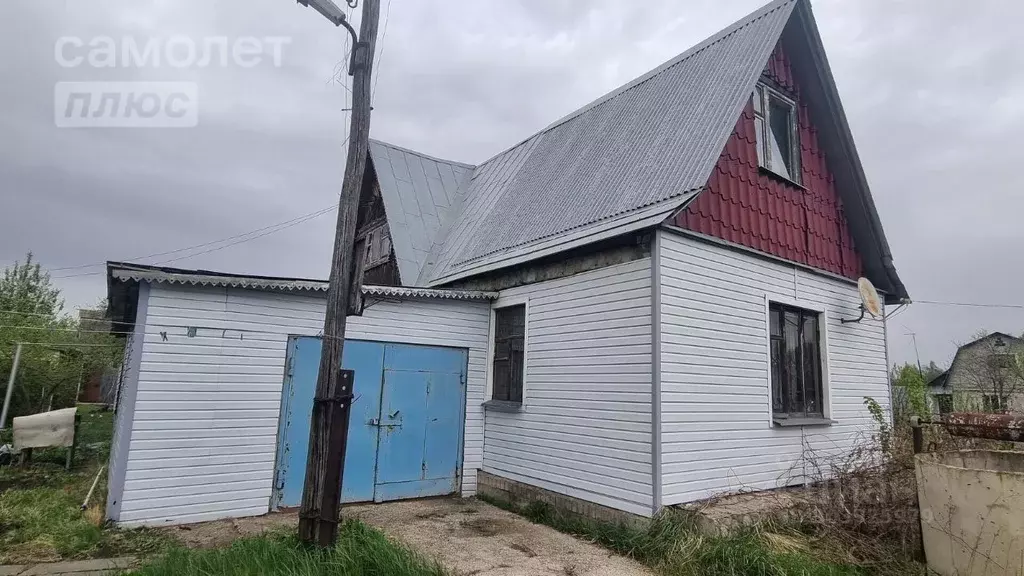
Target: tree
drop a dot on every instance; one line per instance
(56, 352)
(932, 371)
(910, 396)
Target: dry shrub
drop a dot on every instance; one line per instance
(94, 515)
(860, 506)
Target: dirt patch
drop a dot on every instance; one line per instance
(524, 549)
(222, 533)
(485, 527)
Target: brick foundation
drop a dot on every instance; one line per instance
(519, 495)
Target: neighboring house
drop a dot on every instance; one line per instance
(986, 375)
(639, 306)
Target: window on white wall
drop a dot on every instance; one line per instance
(508, 364)
(797, 381)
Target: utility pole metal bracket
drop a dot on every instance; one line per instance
(358, 61)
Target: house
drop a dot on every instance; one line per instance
(986, 375)
(639, 306)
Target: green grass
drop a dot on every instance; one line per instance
(45, 524)
(672, 546)
(361, 551)
(40, 516)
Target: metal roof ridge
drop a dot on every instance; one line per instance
(421, 154)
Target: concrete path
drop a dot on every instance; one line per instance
(80, 568)
(469, 537)
(473, 538)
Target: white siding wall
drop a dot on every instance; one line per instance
(716, 434)
(205, 424)
(585, 428)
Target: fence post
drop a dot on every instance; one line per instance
(10, 387)
(918, 432)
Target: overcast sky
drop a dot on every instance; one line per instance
(934, 93)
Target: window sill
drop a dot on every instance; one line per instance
(503, 406)
(800, 422)
(780, 177)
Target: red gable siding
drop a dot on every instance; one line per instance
(745, 206)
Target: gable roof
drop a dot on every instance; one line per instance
(635, 156)
(621, 163)
(418, 191)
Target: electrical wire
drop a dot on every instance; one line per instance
(196, 246)
(66, 345)
(380, 53)
(244, 238)
(971, 304)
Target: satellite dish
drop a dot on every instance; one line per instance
(870, 303)
(869, 299)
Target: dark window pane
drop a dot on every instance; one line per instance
(509, 344)
(791, 335)
(775, 319)
(812, 366)
(501, 379)
(778, 394)
(516, 379)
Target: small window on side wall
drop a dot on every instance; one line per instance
(778, 134)
(509, 348)
(797, 386)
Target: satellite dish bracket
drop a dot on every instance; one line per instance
(846, 321)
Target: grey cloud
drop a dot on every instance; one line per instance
(932, 91)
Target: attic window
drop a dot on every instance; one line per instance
(778, 134)
(378, 242)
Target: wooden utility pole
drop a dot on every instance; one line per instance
(328, 431)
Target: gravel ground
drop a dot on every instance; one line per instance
(469, 537)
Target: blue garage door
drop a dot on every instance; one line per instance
(405, 433)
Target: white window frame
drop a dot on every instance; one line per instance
(506, 302)
(764, 157)
(823, 341)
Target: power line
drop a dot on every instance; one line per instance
(970, 304)
(238, 239)
(187, 248)
(193, 329)
(257, 233)
(63, 345)
(380, 53)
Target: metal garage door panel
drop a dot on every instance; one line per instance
(422, 411)
(367, 359)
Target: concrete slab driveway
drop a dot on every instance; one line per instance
(472, 538)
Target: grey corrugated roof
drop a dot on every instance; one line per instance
(418, 192)
(639, 154)
(632, 155)
(144, 273)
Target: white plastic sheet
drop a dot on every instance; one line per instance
(56, 428)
